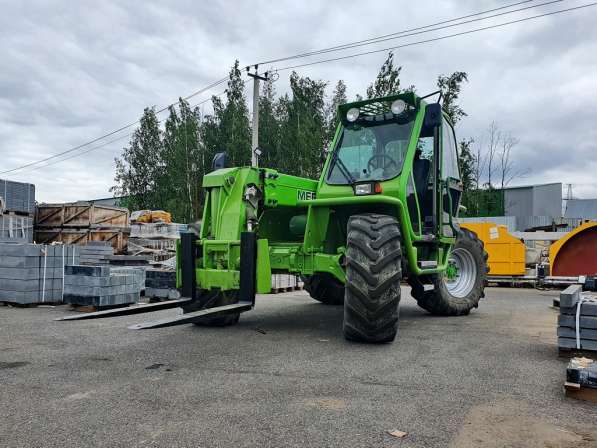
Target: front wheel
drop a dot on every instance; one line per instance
(459, 289)
(324, 288)
(373, 272)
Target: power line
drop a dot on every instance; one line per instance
(337, 48)
(412, 31)
(109, 134)
(448, 36)
(103, 145)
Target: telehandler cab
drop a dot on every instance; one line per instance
(384, 209)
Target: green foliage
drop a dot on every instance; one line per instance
(450, 87)
(138, 169)
(484, 202)
(181, 164)
(269, 127)
(233, 118)
(467, 165)
(163, 169)
(387, 81)
(332, 118)
(302, 126)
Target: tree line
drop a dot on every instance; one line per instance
(163, 164)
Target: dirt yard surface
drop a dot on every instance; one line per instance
(286, 377)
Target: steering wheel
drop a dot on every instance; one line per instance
(382, 156)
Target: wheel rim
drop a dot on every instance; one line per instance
(461, 273)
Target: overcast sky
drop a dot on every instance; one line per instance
(73, 71)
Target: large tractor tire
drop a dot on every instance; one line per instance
(325, 288)
(460, 288)
(219, 298)
(373, 273)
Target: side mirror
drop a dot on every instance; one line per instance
(219, 161)
(433, 116)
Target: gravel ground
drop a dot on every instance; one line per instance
(286, 377)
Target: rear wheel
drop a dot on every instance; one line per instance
(325, 288)
(218, 298)
(459, 289)
(373, 274)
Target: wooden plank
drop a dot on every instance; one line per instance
(118, 238)
(572, 352)
(574, 390)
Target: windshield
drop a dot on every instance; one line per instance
(370, 151)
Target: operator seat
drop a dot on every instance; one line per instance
(421, 169)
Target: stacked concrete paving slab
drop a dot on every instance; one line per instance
(33, 273)
(161, 284)
(17, 207)
(96, 253)
(570, 299)
(285, 282)
(138, 274)
(102, 286)
(18, 197)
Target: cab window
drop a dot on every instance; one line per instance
(449, 154)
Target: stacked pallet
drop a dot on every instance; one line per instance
(157, 239)
(33, 273)
(101, 286)
(577, 322)
(82, 222)
(17, 207)
(161, 284)
(285, 283)
(16, 228)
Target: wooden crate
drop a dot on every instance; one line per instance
(79, 215)
(118, 237)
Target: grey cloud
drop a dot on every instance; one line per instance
(73, 71)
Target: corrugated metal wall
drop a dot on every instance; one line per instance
(547, 200)
(518, 201)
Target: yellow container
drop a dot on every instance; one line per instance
(506, 252)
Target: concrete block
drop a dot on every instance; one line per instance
(587, 309)
(97, 271)
(162, 293)
(570, 321)
(86, 281)
(585, 344)
(20, 273)
(570, 296)
(585, 333)
(20, 250)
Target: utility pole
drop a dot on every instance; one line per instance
(255, 137)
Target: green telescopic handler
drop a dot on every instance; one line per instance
(384, 210)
